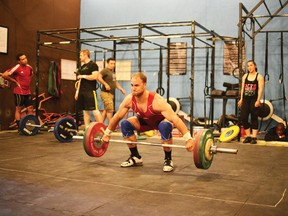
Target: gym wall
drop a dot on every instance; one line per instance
(23, 19)
(222, 16)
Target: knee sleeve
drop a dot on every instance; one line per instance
(165, 129)
(127, 128)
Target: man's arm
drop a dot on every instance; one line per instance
(271, 137)
(6, 76)
(93, 76)
(161, 105)
(123, 109)
(118, 86)
(102, 81)
(77, 89)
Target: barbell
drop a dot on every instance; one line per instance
(203, 153)
(29, 125)
(64, 128)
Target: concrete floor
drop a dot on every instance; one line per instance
(40, 176)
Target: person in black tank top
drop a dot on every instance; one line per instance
(251, 93)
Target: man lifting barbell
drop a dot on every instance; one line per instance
(203, 151)
(95, 142)
(152, 112)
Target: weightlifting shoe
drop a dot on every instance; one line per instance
(132, 161)
(168, 165)
(253, 140)
(248, 139)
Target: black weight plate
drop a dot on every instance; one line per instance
(61, 128)
(27, 129)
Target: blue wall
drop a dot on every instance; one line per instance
(221, 16)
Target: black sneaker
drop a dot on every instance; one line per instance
(254, 140)
(248, 139)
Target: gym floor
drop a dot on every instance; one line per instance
(40, 176)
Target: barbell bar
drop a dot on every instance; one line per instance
(34, 125)
(43, 125)
(214, 149)
(203, 153)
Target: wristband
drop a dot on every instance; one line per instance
(107, 132)
(187, 136)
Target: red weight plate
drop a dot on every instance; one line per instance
(196, 156)
(86, 137)
(92, 143)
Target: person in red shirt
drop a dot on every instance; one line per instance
(152, 112)
(21, 74)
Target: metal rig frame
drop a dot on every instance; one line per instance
(258, 22)
(148, 36)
